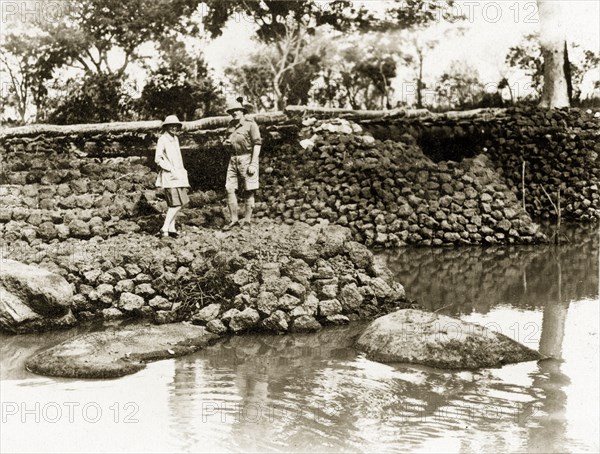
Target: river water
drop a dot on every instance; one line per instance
(315, 393)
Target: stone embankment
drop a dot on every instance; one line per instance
(80, 201)
(536, 151)
(552, 151)
(389, 193)
(265, 277)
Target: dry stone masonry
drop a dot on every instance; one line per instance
(389, 193)
(394, 179)
(278, 279)
(80, 201)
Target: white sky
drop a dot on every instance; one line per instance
(492, 27)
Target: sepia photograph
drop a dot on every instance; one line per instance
(299, 226)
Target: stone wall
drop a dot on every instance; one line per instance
(289, 278)
(560, 149)
(389, 193)
(55, 197)
(81, 201)
(425, 179)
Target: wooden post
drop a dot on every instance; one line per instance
(523, 186)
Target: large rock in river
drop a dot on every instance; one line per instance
(119, 351)
(417, 337)
(33, 299)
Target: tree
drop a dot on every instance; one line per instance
(460, 86)
(590, 62)
(181, 85)
(412, 14)
(252, 81)
(416, 62)
(555, 92)
(328, 90)
(97, 98)
(358, 72)
(417, 43)
(91, 29)
(527, 56)
(288, 27)
(502, 84)
(285, 28)
(375, 74)
(29, 63)
(89, 35)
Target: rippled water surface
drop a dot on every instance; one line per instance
(315, 393)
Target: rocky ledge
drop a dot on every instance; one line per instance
(32, 298)
(265, 277)
(120, 351)
(417, 337)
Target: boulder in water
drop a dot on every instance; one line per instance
(120, 351)
(417, 337)
(33, 299)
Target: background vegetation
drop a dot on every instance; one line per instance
(108, 60)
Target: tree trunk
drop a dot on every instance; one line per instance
(420, 83)
(568, 75)
(552, 40)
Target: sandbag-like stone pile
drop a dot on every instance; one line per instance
(55, 197)
(268, 277)
(561, 150)
(389, 193)
(62, 196)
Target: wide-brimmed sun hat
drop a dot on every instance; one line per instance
(172, 120)
(238, 104)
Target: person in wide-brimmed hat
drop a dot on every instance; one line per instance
(238, 104)
(243, 143)
(172, 176)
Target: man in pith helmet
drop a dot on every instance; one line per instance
(243, 142)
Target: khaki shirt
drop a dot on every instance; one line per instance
(243, 135)
(172, 174)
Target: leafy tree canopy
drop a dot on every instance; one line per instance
(181, 85)
(274, 16)
(92, 28)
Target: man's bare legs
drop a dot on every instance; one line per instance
(249, 207)
(232, 204)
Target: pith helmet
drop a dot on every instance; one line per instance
(238, 104)
(172, 120)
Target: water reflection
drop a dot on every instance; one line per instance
(463, 280)
(315, 393)
(550, 380)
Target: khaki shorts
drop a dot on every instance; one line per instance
(238, 170)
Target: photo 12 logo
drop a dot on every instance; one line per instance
(71, 412)
(36, 12)
(474, 11)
